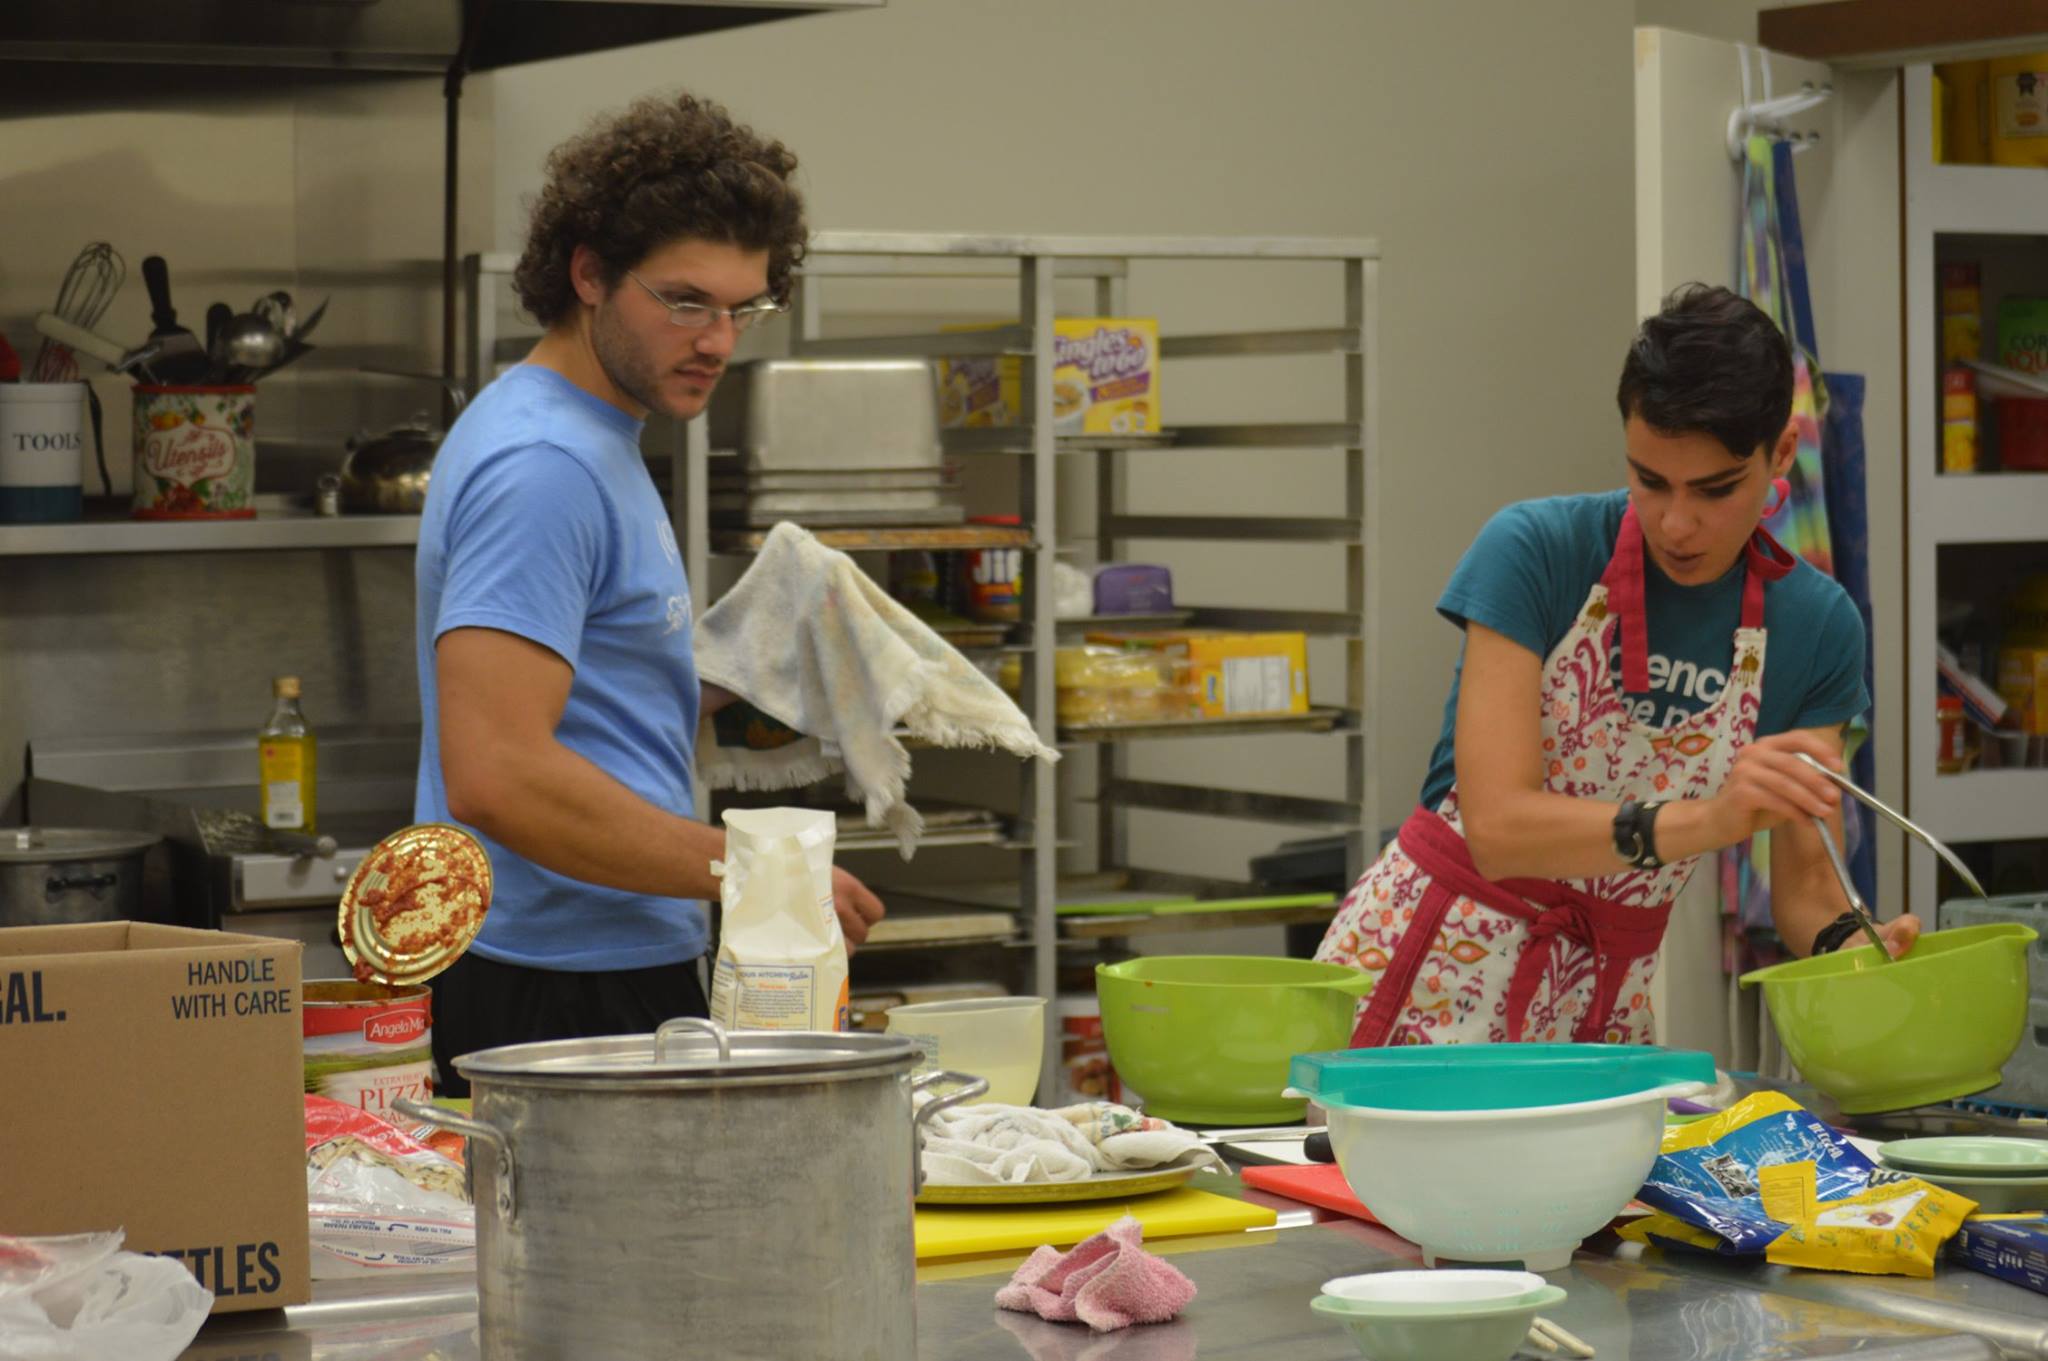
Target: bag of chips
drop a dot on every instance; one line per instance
(1766, 1176)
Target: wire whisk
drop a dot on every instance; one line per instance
(89, 286)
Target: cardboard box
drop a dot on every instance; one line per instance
(1105, 380)
(1231, 674)
(2011, 1247)
(157, 1087)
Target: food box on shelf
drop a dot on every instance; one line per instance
(1229, 674)
(1105, 380)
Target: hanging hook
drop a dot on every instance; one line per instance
(1767, 116)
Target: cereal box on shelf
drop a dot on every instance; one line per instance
(1105, 380)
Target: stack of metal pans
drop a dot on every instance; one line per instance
(829, 442)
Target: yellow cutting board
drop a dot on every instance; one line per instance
(970, 1230)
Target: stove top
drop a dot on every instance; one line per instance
(198, 791)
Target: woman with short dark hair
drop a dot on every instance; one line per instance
(1613, 719)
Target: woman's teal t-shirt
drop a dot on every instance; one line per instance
(1529, 572)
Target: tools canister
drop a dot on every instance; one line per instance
(42, 440)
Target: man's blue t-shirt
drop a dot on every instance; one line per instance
(1529, 572)
(541, 521)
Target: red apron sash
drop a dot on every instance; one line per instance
(1618, 934)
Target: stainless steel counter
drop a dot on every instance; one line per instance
(1254, 1298)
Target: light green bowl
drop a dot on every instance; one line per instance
(1490, 1332)
(1883, 1036)
(1206, 1039)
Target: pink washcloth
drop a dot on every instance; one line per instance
(1107, 1282)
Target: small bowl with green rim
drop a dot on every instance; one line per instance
(1437, 1315)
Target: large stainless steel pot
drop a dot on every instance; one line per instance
(694, 1192)
(61, 875)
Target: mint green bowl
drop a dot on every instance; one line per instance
(1206, 1039)
(1490, 1331)
(1882, 1036)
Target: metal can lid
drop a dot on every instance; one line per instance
(414, 903)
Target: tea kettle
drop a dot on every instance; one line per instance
(387, 474)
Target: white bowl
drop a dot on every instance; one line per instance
(998, 1038)
(1469, 1332)
(1502, 1185)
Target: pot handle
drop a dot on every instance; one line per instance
(91, 883)
(477, 1132)
(695, 1025)
(971, 1087)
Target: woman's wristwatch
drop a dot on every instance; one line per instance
(1635, 834)
(1836, 934)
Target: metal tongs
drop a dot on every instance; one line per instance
(1926, 838)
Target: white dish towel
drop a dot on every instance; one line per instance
(812, 641)
(992, 1145)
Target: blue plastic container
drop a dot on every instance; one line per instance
(1483, 1077)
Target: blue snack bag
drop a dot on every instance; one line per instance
(1708, 1175)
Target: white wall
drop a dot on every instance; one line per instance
(1486, 143)
(1730, 20)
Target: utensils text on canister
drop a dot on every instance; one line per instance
(195, 452)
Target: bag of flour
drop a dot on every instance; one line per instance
(781, 957)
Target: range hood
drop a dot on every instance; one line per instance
(415, 36)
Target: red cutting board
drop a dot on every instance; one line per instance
(1318, 1184)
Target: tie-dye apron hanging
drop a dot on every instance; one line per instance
(1770, 270)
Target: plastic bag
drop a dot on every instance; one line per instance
(1766, 1176)
(781, 956)
(379, 1199)
(80, 1298)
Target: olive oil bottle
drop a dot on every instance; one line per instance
(288, 755)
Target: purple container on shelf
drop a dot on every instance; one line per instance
(1133, 588)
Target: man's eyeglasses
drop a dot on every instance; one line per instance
(696, 316)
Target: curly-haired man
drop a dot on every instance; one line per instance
(559, 694)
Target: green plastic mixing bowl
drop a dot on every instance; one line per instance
(1206, 1039)
(1882, 1036)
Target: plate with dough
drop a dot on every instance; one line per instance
(1141, 1181)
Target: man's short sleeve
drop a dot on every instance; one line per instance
(1507, 579)
(526, 549)
(1837, 693)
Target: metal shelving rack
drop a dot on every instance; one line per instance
(2000, 204)
(1037, 264)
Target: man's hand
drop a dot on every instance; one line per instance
(857, 906)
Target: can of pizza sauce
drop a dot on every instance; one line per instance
(367, 1043)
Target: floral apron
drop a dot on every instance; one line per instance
(1458, 957)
